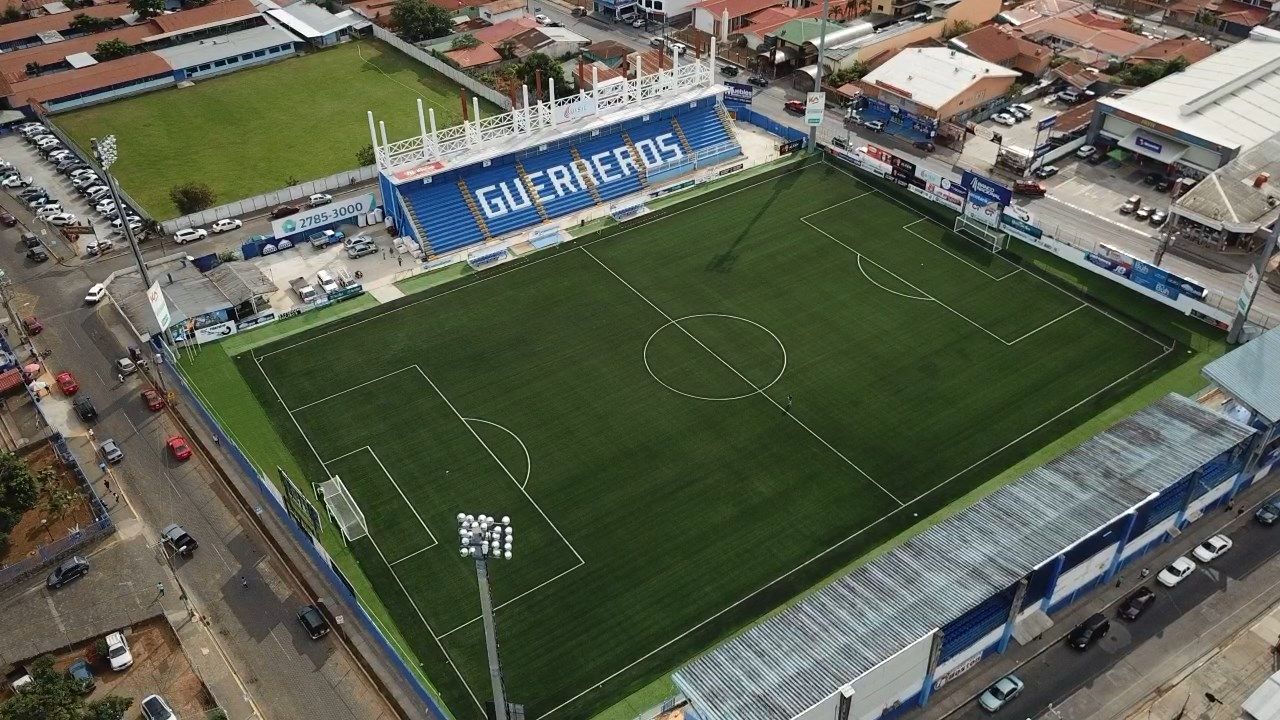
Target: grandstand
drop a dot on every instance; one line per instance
(454, 187)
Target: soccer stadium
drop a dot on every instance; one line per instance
(741, 377)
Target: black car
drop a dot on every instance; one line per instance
(30, 240)
(758, 80)
(37, 254)
(1089, 631)
(1268, 512)
(85, 409)
(179, 539)
(729, 70)
(1136, 604)
(70, 569)
(1096, 159)
(81, 673)
(1151, 178)
(1164, 184)
(313, 622)
(924, 145)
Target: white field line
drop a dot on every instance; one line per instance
(1033, 332)
(855, 534)
(570, 246)
(353, 387)
(528, 460)
(396, 485)
(888, 290)
(979, 268)
(415, 553)
(257, 361)
(517, 597)
(734, 370)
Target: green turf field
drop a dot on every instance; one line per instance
(625, 400)
(255, 130)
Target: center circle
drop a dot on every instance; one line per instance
(681, 330)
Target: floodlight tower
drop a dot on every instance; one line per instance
(482, 537)
(106, 153)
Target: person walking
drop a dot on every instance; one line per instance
(120, 377)
(244, 582)
(789, 402)
(160, 588)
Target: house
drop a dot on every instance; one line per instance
(1189, 49)
(722, 18)
(554, 41)
(609, 52)
(1039, 10)
(473, 58)
(1079, 41)
(919, 88)
(502, 10)
(500, 32)
(588, 76)
(315, 24)
(997, 44)
(1232, 17)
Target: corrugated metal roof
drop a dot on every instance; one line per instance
(1251, 374)
(790, 661)
(209, 50)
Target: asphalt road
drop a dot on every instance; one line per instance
(1060, 671)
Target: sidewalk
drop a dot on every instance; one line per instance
(1093, 699)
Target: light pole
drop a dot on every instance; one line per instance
(482, 537)
(105, 152)
(822, 54)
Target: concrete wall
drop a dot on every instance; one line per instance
(978, 94)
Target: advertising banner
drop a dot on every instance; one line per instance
(815, 108)
(738, 94)
(1112, 266)
(347, 209)
(1246, 291)
(1020, 228)
(979, 185)
(159, 307)
(1047, 123)
(579, 107)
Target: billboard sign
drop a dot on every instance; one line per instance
(1147, 144)
(575, 108)
(159, 307)
(992, 190)
(1020, 228)
(1047, 123)
(1246, 291)
(738, 93)
(815, 107)
(347, 209)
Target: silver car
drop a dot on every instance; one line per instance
(998, 695)
(111, 451)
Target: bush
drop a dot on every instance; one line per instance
(192, 197)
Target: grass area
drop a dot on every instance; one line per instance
(253, 131)
(241, 342)
(559, 390)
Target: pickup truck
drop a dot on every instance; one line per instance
(325, 238)
(306, 292)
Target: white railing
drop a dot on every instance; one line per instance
(439, 143)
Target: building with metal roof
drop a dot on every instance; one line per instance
(317, 25)
(1201, 118)
(1239, 197)
(880, 639)
(195, 299)
(1251, 375)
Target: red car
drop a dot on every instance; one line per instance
(179, 448)
(153, 399)
(7, 219)
(33, 325)
(794, 106)
(1029, 187)
(68, 383)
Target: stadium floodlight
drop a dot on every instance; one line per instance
(482, 537)
(106, 153)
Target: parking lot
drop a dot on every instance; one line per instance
(1104, 188)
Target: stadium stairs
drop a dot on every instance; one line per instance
(725, 120)
(585, 170)
(475, 211)
(635, 157)
(528, 187)
(684, 141)
(444, 221)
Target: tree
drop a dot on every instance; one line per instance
(90, 24)
(12, 14)
(365, 156)
(147, 8)
(52, 694)
(1145, 73)
(18, 490)
(527, 73)
(465, 41)
(58, 501)
(112, 49)
(850, 74)
(416, 20)
(192, 197)
(956, 27)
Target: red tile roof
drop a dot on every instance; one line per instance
(59, 85)
(772, 18)
(994, 44)
(1101, 22)
(15, 63)
(650, 61)
(736, 8)
(474, 57)
(1189, 48)
(212, 14)
(1242, 14)
(1115, 43)
(504, 30)
(44, 23)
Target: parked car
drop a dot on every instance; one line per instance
(541, 19)
(1001, 693)
(874, 126)
(30, 192)
(30, 240)
(1005, 119)
(924, 145)
(758, 80)
(1152, 178)
(1144, 212)
(1164, 184)
(1045, 172)
(318, 199)
(32, 325)
(284, 211)
(638, 22)
(85, 409)
(187, 235)
(359, 250)
(37, 254)
(73, 568)
(226, 224)
(1212, 548)
(118, 655)
(794, 106)
(178, 448)
(729, 70)
(65, 218)
(1016, 113)
(1088, 632)
(1029, 187)
(126, 366)
(1086, 151)
(111, 451)
(177, 538)
(1158, 217)
(44, 212)
(82, 674)
(1023, 108)
(1137, 603)
(1176, 572)
(153, 399)
(95, 294)
(1269, 511)
(7, 219)
(312, 620)
(16, 181)
(1131, 205)
(155, 708)
(67, 383)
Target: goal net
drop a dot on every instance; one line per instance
(985, 235)
(343, 509)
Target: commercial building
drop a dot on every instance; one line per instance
(918, 88)
(1194, 122)
(1232, 207)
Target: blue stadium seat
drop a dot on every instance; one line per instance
(563, 205)
(703, 128)
(622, 184)
(502, 171)
(443, 215)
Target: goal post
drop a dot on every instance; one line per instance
(981, 233)
(343, 509)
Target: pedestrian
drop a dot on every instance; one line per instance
(107, 484)
(160, 588)
(244, 582)
(120, 378)
(216, 441)
(400, 260)
(115, 495)
(102, 466)
(1145, 572)
(789, 401)
(1119, 579)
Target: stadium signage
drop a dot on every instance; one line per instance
(738, 93)
(346, 210)
(992, 190)
(579, 107)
(560, 181)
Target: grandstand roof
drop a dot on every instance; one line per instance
(790, 661)
(188, 292)
(1251, 374)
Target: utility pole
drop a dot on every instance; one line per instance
(822, 56)
(1252, 280)
(105, 152)
(6, 293)
(483, 537)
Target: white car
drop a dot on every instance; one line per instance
(81, 172)
(59, 155)
(1177, 571)
(1001, 693)
(95, 294)
(541, 19)
(117, 647)
(1023, 108)
(637, 23)
(130, 218)
(1086, 152)
(155, 708)
(187, 235)
(100, 245)
(65, 218)
(227, 224)
(1005, 119)
(105, 205)
(1212, 548)
(319, 199)
(17, 181)
(48, 211)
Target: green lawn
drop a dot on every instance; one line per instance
(574, 392)
(254, 130)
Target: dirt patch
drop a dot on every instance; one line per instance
(30, 533)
